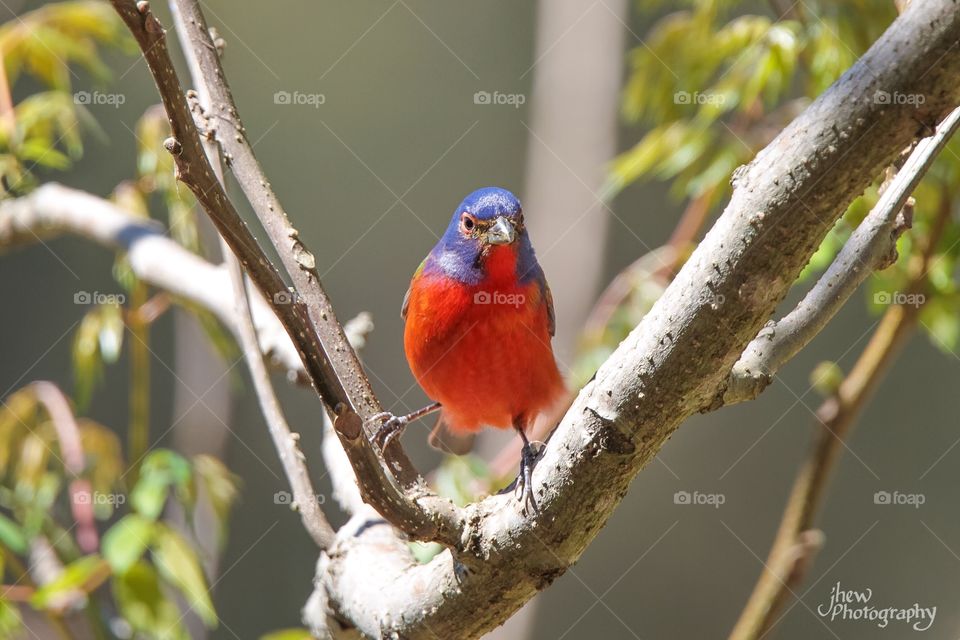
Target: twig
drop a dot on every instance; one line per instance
(138, 436)
(224, 125)
(836, 416)
(328, 358)
(871, 246)
(68, 436)
(286, 442)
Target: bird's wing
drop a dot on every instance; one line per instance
(551, 317)
(443, 439)
(547, 297)
(406, 296)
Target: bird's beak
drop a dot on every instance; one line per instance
(501, 232)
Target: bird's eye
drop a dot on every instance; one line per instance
(520, 218)
(468, 223)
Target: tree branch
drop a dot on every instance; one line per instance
(836, 417)
(309, 320)
(872, 246)
(675, 363)
(53, 209)
(286, 442)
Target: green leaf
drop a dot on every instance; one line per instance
(111, 332)
(162, 469)
(87, 363)
(12, 536)
(9, 619)
(220, 485)
(125, 542)
(178, 564)
(144, 605)
(84, 575)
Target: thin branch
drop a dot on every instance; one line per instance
(225, 126)
(836, 417)
(285, 441)
(872, 246)
(330, 362)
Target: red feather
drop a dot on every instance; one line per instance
(483, 351)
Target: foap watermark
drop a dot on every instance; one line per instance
(95, 297)
(698, 498)
(85, 497)
(897, 498)
(885, 97)
(499, 298)
(96, 98)
(285, 497)
(512, 99)
(715, 300)
(299, 98)
(698, 97)
(853, 604)
(899, 298)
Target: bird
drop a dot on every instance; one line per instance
(478, 323)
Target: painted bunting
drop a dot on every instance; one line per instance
(478, 324)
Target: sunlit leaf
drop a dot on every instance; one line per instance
(79, 577)
(178, 564)
(12, 536)
(144, 605)
(125, 542)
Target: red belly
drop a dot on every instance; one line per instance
(488, 361)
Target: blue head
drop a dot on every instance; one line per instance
(488, 220)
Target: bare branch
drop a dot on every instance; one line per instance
(286, 442)
(871, 246)
(330, 362)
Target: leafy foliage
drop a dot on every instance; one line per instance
(43, 130)
(715, 82)
(143, 559)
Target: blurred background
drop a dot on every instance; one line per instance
(373, 120)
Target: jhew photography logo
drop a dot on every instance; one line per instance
(499, 298)
(299, 98)
(97, 98)
(896, 498)
(851, 604)
(511, 99)
(95, 297)
(697, 498)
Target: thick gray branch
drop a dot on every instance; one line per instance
(675, 363)
(871, 246)
(54, 209)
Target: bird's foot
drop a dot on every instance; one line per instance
(391, 427)
(524, 481)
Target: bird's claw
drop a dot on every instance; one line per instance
(391, 427)
(524, 481)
